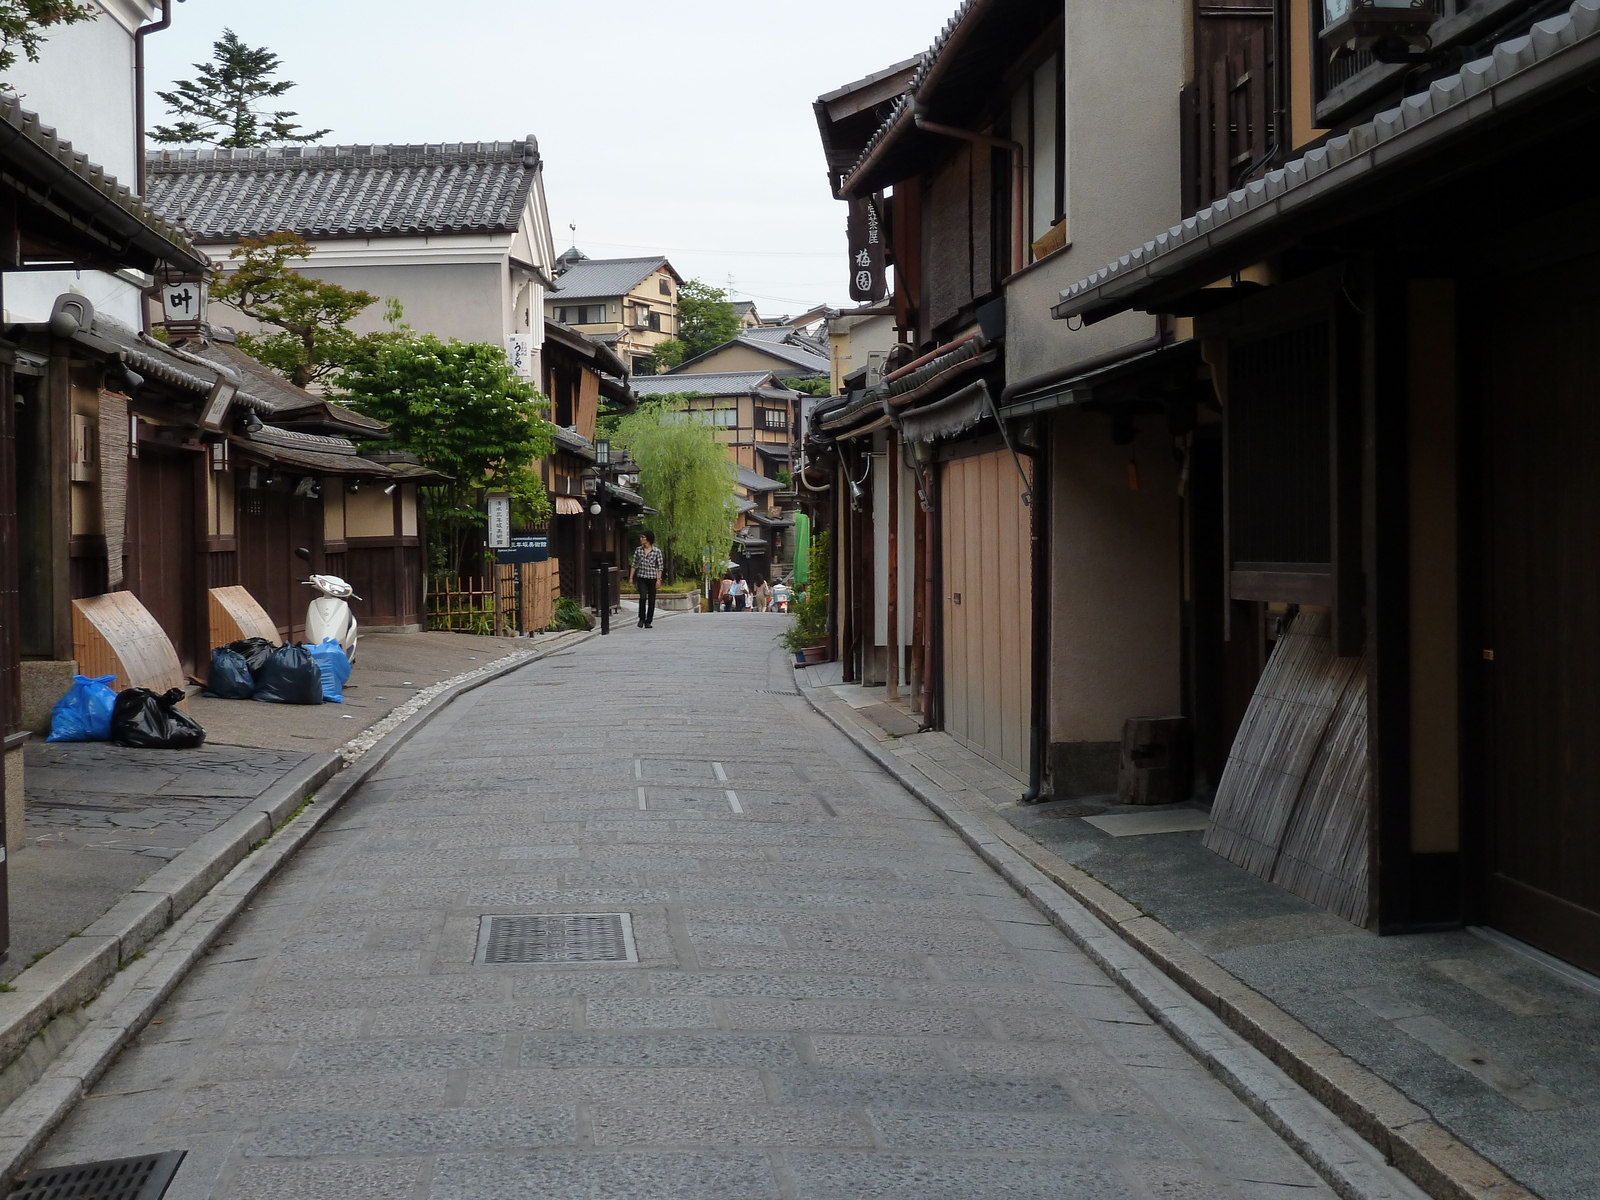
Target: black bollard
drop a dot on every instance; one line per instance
(602, 600)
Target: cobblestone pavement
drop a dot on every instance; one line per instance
(833, 996)
(156, 802)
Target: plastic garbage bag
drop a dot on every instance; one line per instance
(84, 713)
(230, 677)
(290, 676)
(146, 720)
(256, 651)
(335, 668)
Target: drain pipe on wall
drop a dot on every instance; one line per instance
(1039, 689)
(139, 35)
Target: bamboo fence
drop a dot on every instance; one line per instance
(515, 598)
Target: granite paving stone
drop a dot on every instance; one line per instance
(837, 1001)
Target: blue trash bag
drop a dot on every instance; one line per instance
(230, 677)
(84, 713)
(335, 666)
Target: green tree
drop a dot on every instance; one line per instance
(684, 475)
(223, 105)
(812, 385)
(667, 355)
(705, 318)
(22, 23)
(459, 408)
(314, 342)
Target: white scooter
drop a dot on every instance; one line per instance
(329, 615)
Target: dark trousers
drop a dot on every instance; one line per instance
(647, 601)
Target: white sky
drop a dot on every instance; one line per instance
(682, 127)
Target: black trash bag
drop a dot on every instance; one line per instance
(290, 676)
(230, 677)
(256, 651)
(145, 720)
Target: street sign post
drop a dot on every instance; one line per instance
(498, 533)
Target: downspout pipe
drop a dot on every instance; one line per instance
(1018, 172)
(1039, 690)
(139, 35)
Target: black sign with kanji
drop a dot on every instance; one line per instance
(868, 280)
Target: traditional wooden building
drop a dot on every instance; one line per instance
(61, 209)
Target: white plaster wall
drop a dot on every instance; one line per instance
(1124, 66)
(83, 86)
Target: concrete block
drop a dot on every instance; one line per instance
(43, 683)
(198, 869)
(16, 806)
(64, 979)
(134, 921)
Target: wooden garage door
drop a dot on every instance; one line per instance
(988, 627)
(1543, 443)
(162, 570)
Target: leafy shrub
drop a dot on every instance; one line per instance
(570, 615)
(809, 624)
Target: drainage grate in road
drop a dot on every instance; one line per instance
(776, 692)
(142, 1178)
(557, 938)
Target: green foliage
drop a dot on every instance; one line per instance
(314, 343)
(785, 478)
(223, 105)
(684, 475)
(570, 615)
(808, 626)
(705, 318)
(22, 23)
(459, 408)
(816, 385)
(667, 354)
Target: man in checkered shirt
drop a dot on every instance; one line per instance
(646, 566)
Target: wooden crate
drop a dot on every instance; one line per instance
(235, 615)
(116, 635)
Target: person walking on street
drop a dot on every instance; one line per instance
(647, 564)
(763, 596)
(725, 593)
(741, 593)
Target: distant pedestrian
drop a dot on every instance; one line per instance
(647, 566)
(763, 596)
(741, 593)
(725, 593)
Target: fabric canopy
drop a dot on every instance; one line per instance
(802, 548)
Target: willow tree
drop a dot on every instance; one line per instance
(684, 474)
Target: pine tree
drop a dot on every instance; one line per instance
(223, 105)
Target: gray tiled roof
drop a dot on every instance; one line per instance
(715, 383)
(596, 278)
(1352, 151)
(751, 481)
(345, 191)
(789, 349)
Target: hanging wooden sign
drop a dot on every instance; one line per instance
(868, 267)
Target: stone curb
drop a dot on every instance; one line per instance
(90, 996)
(1265, 1056)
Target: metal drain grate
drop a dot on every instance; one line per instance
(557, 938)
(776, 692)
(142, 1178)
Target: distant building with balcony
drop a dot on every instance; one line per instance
(627, 304)
(752, 412)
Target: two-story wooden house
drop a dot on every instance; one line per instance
(629, 304)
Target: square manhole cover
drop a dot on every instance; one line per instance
(557, 938)
(142, 1178)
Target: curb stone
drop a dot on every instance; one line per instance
(98, 993)
(1303, 1087)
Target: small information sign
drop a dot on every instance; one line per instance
(499, 530)
(529, 549)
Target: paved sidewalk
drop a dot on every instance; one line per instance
(101, 819)
(834, 996)
(1500, 1048)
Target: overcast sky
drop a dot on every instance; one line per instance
(682, 127)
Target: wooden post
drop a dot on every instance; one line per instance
(918, 670)
(892, 460)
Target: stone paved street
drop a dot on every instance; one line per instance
(834, 998)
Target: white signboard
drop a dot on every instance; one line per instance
(499, 532)
(184, 302)
(519, 351)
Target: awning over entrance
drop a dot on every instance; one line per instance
(949, 417)
(568, 506)
(1371, 166)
